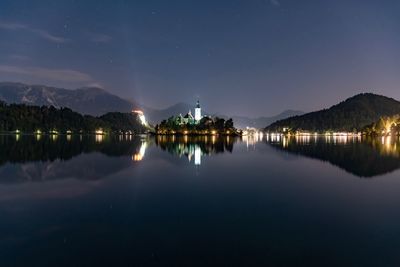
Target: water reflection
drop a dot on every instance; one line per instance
(195, 147)
(252, 139)
(42, 157)
(127, 201)
(361, 156)
(142, 150)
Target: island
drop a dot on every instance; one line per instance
(196, 125)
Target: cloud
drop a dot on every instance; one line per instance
(12, 26)
(95, 84)
(100, 38)
(275, 2)
(50, 37)
(19, 57)
(39, 32)
(60, 75)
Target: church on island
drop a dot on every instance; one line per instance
(197, 124)
(189, 119)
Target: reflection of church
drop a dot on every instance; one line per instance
(194, 152)
(189, 118)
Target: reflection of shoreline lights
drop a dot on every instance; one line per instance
(141, 116)
(285, 142)
(69, 135)
(306, 139)
(139, 156)
(192, 148)
(389, 146)
(252, 136)
(99, 138)
(303, 133)
(99, 135)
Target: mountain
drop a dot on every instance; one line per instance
(352, 114)
(90, 100)
(30, 119)
(260, 122)
(157, 115)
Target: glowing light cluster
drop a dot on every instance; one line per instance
(141, 116)
(99, 132)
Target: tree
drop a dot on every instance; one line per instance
(229, 124)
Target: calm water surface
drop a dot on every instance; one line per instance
(169, 201)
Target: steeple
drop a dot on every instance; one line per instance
(197, 112)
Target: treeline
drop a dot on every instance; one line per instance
(384, 126)
(350, 115)
(206, 125)
(29, 119)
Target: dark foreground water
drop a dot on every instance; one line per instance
(103, 201)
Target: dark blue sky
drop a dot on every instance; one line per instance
(243, 57)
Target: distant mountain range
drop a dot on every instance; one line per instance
(261, 122)
(156, 115)
(96, 101)
(352, 114)
(91, 100)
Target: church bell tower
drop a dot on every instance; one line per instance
(197, 112)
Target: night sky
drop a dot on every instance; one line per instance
(238, 57)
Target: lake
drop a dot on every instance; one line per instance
(205, 201)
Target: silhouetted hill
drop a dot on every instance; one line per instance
(157, 115)
(91, 100)
(29, 119)
(352, 114)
